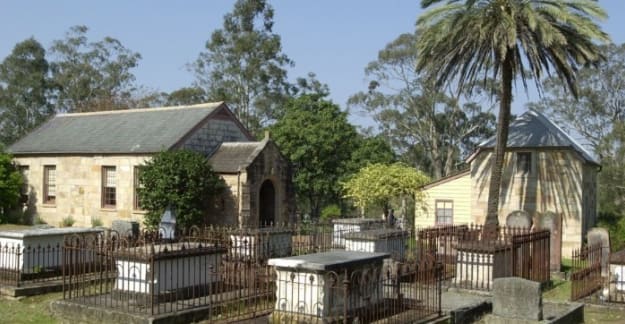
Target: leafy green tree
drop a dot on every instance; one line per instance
(430, 129)
(10, 185)
(378, 184)
(24, 90)
(599, 116)
(462, 41)
(370, 150)
(181, 179)
(92, 76)
(186, 96)
(244, 66)
(316, 137)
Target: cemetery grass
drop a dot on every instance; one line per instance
(35, 309)
(13, 227)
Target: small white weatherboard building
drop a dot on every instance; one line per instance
(321, 285)
(172, 268)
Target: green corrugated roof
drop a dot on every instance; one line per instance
(109, 132)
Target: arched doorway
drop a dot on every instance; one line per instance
(267, 203)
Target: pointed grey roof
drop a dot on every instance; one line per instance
(535, 130)
(147, 130)
(232, 157)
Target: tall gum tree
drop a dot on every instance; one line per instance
(460, 42)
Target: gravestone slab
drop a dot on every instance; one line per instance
(125, 228)
(553, 222)
(519, 218)
(167, 227)
(517, 298)
(598, 235)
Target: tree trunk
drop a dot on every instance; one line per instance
(503, 122)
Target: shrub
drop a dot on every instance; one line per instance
(181, 179)
(10, 187)
(68, 221)
(96, 222)
(330, 212)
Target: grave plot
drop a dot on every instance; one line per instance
(36, 255)
(343, 226)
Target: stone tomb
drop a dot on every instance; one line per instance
(167, 268)
(40, 250)
(262, 243)
(617, 269)
(479, 263)
(517, 298)
(343, 226)
(313, 285)
(385, 240)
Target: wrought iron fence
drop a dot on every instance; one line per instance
(20, 265)
(225, 271)
(473, 261)
(585, 271)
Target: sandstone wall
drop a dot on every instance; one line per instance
(78, 188)
(554, 185)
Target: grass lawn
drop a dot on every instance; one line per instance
(28, 310)
(13, 227)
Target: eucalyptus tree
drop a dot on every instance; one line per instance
(243, 64)
(25, 89)
(461, 42)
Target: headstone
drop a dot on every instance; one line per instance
(553, 222)
(598, 235)
(167, 228)
(517, 298)
(126, 229)
(519, 218)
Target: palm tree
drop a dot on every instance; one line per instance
(462, 43)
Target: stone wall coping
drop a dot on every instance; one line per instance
(36, 232)
(262, 230)
(357, 221)
(328, 261)
(168, 251)
(376, 234)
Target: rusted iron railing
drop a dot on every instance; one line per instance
(472, 261)
(225, 271)
(585, 271)
(20, 265)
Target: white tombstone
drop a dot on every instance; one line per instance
(167, 227)
(343, 226)
(313, 285)
(39, 249)
(167, 267)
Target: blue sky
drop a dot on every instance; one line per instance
(333, 38)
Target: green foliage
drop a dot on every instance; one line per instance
(370, 150)
(96, 222)
(428, 127)
(330, 212)
(10, 186)
(68, 221)
(615, 224)
(461, 42)
(24, 90)
(316, 137)
(91, 76)
(186, 96)
(377, 184)
(181, 179)
(244, 66)
(599, 116)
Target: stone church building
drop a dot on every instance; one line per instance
(86, 165)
